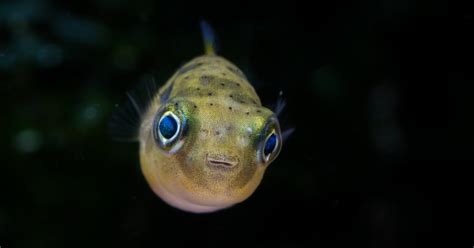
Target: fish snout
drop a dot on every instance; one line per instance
(221, 161)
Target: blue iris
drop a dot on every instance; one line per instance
(270, 144)
(168, 127)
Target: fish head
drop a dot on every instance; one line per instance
(201, 155)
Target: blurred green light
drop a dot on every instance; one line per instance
(28, 141)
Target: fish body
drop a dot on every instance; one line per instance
(205, 138)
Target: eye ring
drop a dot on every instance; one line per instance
(167, 119)
(270, 145)
(270, 142)
(168, 130)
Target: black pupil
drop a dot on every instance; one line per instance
(270, 144)
(168, 127)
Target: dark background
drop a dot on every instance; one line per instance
(380, 93)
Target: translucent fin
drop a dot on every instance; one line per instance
(124, 124)
(208, 37)
(287, 133)
(278, 109)
(280, 105)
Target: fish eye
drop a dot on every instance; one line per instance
(271, 146)
(168, 126)
(167, 131)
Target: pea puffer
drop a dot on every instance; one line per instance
(205, 138)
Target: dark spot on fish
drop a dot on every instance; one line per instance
(240, 98)
(233, 83)
(198, 88)
(209, 94)
(225, 81)
(222, 84)
(228, 128)
(254, 102)
(247, 113)
(176, 104)
(223, 74)
(230, 108)
(211, 104)
(195, 106)
(206, 79)
(218, 133)
(235, 71)
(259, 111)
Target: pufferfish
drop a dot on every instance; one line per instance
(205, 138)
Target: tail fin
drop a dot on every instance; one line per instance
(209, 38)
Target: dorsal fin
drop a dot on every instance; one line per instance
(209, 38)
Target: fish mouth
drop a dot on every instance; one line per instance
(221, 161)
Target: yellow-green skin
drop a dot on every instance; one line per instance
(218, 163)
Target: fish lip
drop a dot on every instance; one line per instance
(221, 161)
